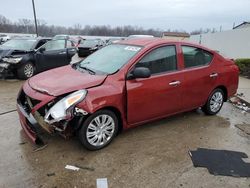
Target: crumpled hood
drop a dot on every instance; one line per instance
(10, 52)
(5, 52)
(64, 80)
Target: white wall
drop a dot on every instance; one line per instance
(233, 43)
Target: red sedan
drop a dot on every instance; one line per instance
(123, 85)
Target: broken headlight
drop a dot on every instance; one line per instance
(12, 60)
(61, 110)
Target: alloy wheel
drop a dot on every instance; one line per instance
(28, 70)
(100, 130)
(216, 101)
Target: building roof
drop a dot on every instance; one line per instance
(242, 24)
(176, 34)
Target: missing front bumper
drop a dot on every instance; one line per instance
(31, 127)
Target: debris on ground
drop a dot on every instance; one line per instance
(102, 183)
(85, 167)
(71, 167)
(244, 127)
(40, 148)
(238, 103)
(22, 143)
(51, 174)
(240, 94)
(221, 162)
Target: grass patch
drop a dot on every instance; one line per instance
(244, 66)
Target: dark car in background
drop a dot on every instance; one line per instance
(15, 55)
(25, 57)
(88, 46)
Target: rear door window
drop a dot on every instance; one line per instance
(160, 60)
(195, 56)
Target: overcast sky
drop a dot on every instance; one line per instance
(163, 14)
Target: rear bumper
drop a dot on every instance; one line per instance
(29, 125)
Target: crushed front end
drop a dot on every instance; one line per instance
(37, 113)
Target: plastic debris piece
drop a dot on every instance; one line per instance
(51, 174)
(22, 143)
(102, 183)
(40, 148)
(85, 167)
(70, 167)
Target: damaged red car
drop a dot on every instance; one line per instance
(124, 85)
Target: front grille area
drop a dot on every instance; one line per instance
(34, 102)
(27, 102)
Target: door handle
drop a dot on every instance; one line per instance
(213, 75)
(62, 53)
(175, 83)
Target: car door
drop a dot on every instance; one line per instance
(158, 95)
(200, 76)
(52, 54)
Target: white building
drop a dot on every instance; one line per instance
(242, 25)
(175, 35)
(233, 43)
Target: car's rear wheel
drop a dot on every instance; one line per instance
(26, 71)
(214, 102)
(98, 130)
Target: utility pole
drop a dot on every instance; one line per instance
(34, 11)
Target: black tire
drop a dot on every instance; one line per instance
(207, 109)
(23, 73)
(85, 127)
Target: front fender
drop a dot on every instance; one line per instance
(105, 97)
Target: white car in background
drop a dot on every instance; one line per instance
(4, 38)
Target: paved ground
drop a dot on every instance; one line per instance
(153, 155)
(244, 87)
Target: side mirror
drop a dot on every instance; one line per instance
(41, 50)
(139, 72)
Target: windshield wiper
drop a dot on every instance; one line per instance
(87, 69)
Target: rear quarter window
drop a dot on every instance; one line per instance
(196, 56)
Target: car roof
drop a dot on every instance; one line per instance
(147, 42)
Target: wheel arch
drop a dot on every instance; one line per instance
(224, 89)
(118, 115)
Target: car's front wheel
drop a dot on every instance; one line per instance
(98, 130)
(214, 102)
(26, 71)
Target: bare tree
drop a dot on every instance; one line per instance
(27, 26)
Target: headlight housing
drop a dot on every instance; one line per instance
(62, 109)
(12, 60)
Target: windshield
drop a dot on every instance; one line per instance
(89, 42)
(18, 44)
(110, 58)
